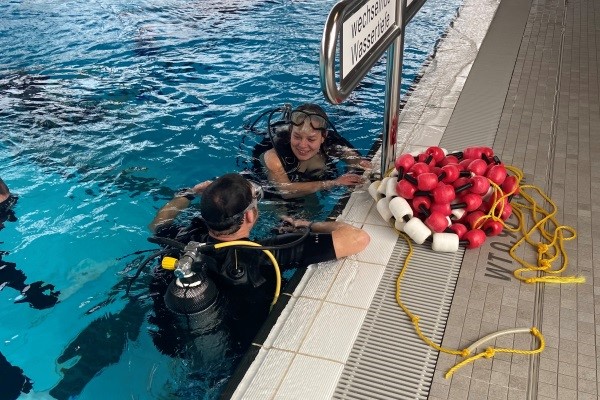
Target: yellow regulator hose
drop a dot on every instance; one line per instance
(268, 253)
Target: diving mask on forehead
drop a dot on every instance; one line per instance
(257, 192)
(317, 122)
(257, 195)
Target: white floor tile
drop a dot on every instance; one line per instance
(427, 135)
(333, 332)
(310, 379)
(356, 284)
(297, 324)
(323, 275)
(269, 376)
(434, 116)
(358, 207)
(383, 240)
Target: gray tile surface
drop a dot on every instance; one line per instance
(548, 126)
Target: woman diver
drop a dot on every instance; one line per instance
(304, 152)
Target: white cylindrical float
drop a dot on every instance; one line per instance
(373, 190)
(446, 242)
(400, 207)
(390, 190)
(417, 230)
(383, 186)
(383, 206)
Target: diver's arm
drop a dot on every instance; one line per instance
(290, 190)
(180, 202)
(347, 239)
(352, 157)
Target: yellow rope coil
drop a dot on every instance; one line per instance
(546, 225)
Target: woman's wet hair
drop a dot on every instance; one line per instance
(312, 108)
(224, 203)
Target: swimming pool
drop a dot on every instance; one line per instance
(106, 109)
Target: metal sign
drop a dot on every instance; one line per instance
(363, 29)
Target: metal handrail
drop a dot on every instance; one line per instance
(331, 33)
(393, 40)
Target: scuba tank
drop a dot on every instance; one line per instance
(200, 313)
(192, 291)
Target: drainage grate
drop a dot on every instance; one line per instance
(388, 360)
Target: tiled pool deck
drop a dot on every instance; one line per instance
(527, 84)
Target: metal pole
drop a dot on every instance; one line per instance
(392, 94)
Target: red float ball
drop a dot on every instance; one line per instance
(478, 166)
(471, 218)
(443, 193)
(488, 152)
(436, 222)
(496, 174)
(459, 229)
(506, 211)
(451, 173)
(480, 185)
(475, 238)
(464, 163)
(449, 159)
(492, 228)
(510, 185)
(404, 162)
(427, 181)
(471, 201)
(442, 208)
(419, 168)
(472, 152)
(420, 202)
(436, 152)
(405, 189)
(462, 181)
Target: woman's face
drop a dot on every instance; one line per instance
(306, 141)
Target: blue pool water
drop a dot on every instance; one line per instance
(106, 108)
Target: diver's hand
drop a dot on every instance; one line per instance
(365, 164)
(349, 180)
(199, 188)
(295, 222)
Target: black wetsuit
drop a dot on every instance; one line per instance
(255, 264)
(247, 302)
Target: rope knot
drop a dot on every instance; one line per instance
(464, 353)
(489, 352)
(545, 264)
(543, 248)
(415, 319)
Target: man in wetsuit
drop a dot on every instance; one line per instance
(229, 210)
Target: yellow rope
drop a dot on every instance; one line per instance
(547, 253)
(491, 352)
(414, 318)
(544, 220)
